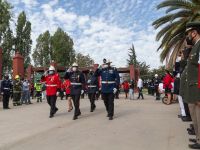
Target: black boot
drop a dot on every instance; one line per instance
(75, 117)
(194, 146)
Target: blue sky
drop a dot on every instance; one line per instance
(100, 28)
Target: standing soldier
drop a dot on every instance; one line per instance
(109, 80)
(17, 90)
(192, 91)
(77, 80)
(92, 89)
(52, 81)
(38, 88)
(6, 87)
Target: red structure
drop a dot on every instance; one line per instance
(1, 61)
(18, 65)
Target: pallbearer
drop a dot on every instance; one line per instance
(77, 80)
(92, 89)
(109, 82)
(53, 84)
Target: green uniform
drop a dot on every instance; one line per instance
(38, 88)
(17, 89)
(183, 79)
(192, 94)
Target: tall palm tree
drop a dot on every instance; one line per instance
(172, 25)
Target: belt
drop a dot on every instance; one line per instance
(108, 82)
(6, 88)
(92, 86)
(51, 85)
(76, 84)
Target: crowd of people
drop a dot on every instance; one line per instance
(182, 85)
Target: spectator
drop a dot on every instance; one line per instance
(25, 91)
(131, 90)
(125, 86)
(140, 87)
(167, 85)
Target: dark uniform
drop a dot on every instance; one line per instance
(192, 96)
(110, 81)
(77, 80)
(92, 90)
(6, 87)
(17, 90)
(183, 81)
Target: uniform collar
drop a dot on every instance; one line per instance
(197, 41)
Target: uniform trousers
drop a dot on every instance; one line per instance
(51, 100)
(92, 97)
(195, 115)
(6, 97)
(76, 101)
(180, 100)
(109, 103)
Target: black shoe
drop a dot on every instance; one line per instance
(79, 113)
(179, 116)
(186, 119)
(193, 140)
(6, 108)
(30, 103)
(110, 118)
(107, 115)
(194, 146)
(75, 117)
(191, 132)
(55, 110)
(51, 116)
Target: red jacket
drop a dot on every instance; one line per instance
(53, 83)
(67, 85)
(167, 81)
(125, 85)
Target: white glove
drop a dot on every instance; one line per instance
(82, 91)
(64, 93)
(46, 73)
(57, 93)
(69, 70)
(114, 90)
(89, 81)
(1, 93)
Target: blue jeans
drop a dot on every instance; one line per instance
(25, 95)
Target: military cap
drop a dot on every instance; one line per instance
(192, 25)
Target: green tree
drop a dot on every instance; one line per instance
(42, 52)
(62, 48)
(23, 40)
(144, 68)
(8, 42)
(5, 16)
(132, 57)
(172, 25)
(84, 61)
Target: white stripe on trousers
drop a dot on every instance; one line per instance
(180, 100)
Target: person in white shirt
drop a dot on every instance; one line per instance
(140, 87)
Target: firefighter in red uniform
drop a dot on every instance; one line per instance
(53, 83)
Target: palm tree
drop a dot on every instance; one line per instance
(172, 25)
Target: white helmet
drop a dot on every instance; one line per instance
(156, 75)
(74, 65)
(52, 68)
(109, 62)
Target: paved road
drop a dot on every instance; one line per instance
(138, 125)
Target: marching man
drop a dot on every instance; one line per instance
(53, 83)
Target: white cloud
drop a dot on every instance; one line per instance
(95, 36)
